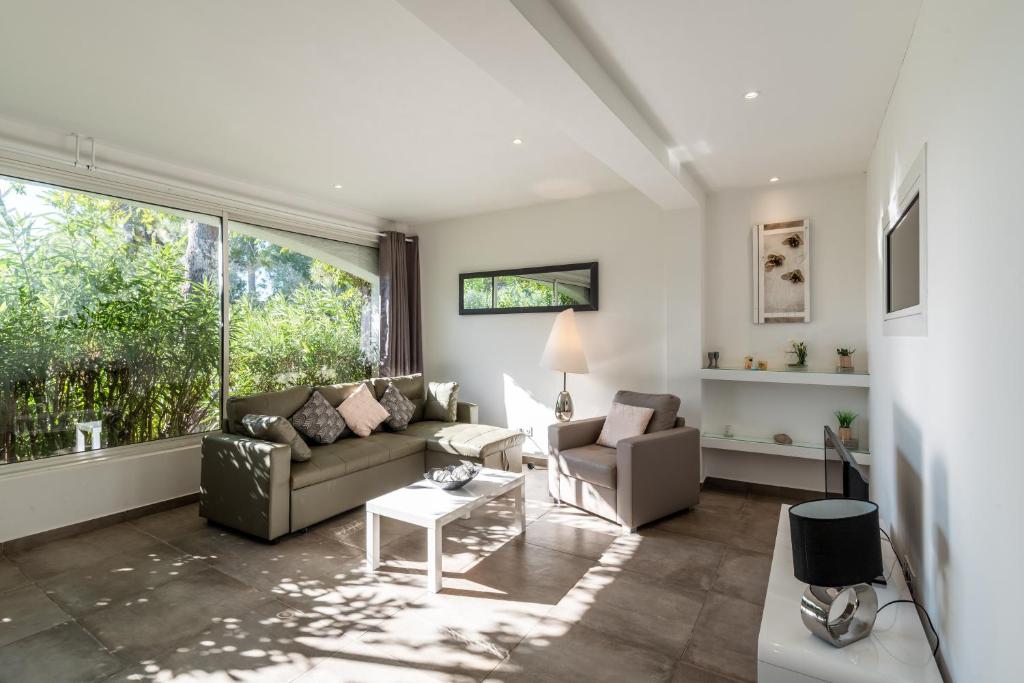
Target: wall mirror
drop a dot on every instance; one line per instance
(529, 290)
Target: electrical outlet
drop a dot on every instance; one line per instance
(908, 570)
(528, 431)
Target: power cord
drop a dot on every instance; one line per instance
(912, 602)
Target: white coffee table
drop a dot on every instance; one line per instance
(428, 506)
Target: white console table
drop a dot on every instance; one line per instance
(896, 651)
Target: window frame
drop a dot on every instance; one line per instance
(592, 266)
(913, 320)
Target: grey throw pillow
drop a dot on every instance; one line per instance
(400, 409)
(279, 430)
(319, 420)
(442, 401)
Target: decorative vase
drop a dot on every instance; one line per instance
(845, 434)
(713, 360)
(845, 363)
(748, 362)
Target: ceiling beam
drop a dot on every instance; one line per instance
(527, 47)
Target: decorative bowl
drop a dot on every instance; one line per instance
(452, 477)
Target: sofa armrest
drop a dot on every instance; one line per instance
(244, 484)
(467, 412)
(565, 435)
(657, 474)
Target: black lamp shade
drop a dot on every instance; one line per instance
(835, 542)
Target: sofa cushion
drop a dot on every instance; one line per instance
(398, 445)
(362, 412)
(442, 401)
(284, 403)
(459, 438)
(279, 430)
(400, 409)
(593, 464)
(337, 459)
(336, 393)
(318, 420)
(410, 386)
(665, 406)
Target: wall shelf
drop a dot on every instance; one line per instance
(827, 378)
(767, 445)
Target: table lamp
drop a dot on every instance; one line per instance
(564, 353)
(837, 551)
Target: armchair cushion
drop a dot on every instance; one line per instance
(593, 464)
(623, 422)
(665, 408)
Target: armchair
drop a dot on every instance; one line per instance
(645, 478)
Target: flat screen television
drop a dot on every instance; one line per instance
(844, 477)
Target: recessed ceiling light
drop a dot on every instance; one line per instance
(751, 95)
(337, 187)
(517, 141)
(773, 179)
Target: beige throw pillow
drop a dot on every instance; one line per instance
(362, 412)
(623, 422)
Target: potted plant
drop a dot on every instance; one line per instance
(800, 351)
(845, 359)
(845, 419)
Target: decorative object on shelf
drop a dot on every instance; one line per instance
(748, 362)
(762, 365)
(782, 297)
(783, 439)
(564, 353)
(536, 289)
(837, 552)
(451, 477)
(713, 360)
(845, 359)
(799, 350)
(727, 431)
(845, 419)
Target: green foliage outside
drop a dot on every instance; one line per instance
(110, 311)
(512, 291)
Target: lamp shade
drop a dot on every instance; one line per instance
(564, 350)
(835, 542)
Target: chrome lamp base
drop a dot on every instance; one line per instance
(563, 406)
(852, 623)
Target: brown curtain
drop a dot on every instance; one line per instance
(401, 327)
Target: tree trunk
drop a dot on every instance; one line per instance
(200, 255)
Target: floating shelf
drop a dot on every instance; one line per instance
(767, 445)
(828, 378)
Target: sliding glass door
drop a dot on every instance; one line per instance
(110, 321)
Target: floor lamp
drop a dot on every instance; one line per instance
(564, 353)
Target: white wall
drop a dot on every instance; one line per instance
(646, 335)
(945, 408)
(54, 494)
(835, 207)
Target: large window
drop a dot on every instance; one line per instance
(110, 321)
(303, 310)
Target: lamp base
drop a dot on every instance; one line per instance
(853, 622)
(563, 406)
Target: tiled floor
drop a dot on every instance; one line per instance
(169, 598)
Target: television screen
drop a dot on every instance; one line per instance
(844, 478)
(903, 260)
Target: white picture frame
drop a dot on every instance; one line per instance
(777, 298)
(911, 321)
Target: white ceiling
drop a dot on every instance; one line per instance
(824, 69)
(301, 96)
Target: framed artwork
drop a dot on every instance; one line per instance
(782, 272)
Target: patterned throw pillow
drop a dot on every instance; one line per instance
(361, 411)
(318, 420)
(277, 429)
(400, 409)
(442, 401)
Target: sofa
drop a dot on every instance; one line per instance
(254, 486)
(644, 478)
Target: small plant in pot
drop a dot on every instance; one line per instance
(845, 419)
(799, 349)
(845, 359)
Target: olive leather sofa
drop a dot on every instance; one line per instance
(254, 486)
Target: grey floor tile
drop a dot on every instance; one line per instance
(527, 573)
(10, 575)
(25, 611)
(744, 574)
(350, 528)
(269, 644)
(147, 625)
(637, 609)
(461, 547)
(687, 673)
(724, 639)
(747, 528)
(717, 498)
(77, 552)
(171, 524)
(575, 540)
(690, 561)
(119, 577)
(557, 651)
(65, 653)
